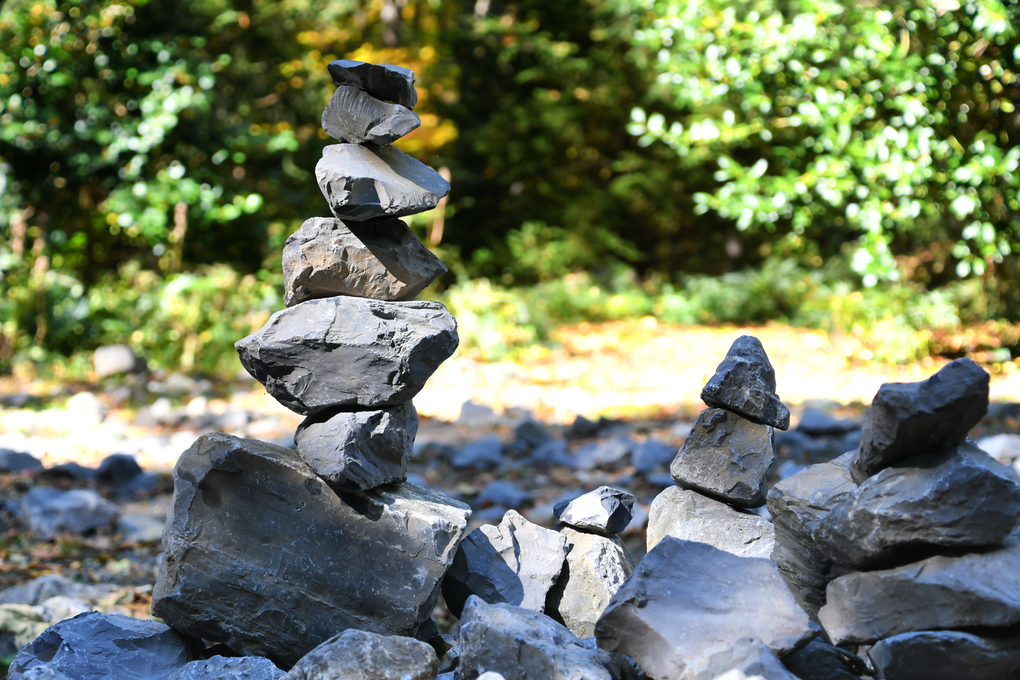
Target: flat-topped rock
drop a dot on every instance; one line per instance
(947, 655)
(596, 568)
(385, 81)
(745, 383)
(604, 511)
(230, 668)
(689, 516)
(353, 116)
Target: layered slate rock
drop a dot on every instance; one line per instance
(689, 516)
(230, 668)
(907, 419)
(359, 450)
(726, 457)
(260, 554)
(521, 644)
(818, 660)
(604, 511)
(596, 568)
(946, 655)
(745, 383)
(362, 183)
(516, 562)
(686, 597)
(384, 81)
(959, 498)
(360, 655)
(356, 117)
(379, 259)
(746, 655)
(347, 352)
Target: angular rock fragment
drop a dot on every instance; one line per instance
(686, 597)
(604, 511)
(113, 359)
(362, 183)
(360, 655)
(818, 660)
(596, 568)
(383, 81)
(946, 655)
(689, 516)
(516, 562)
(353, 116)
(908, 419)
(745, 383)
(747, 655)
(359, 450)
(230, 668)
(726, 457)
(347, 352)
(263, 556)
(51, 511)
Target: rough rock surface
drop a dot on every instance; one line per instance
(747, 655)
(361, 183)
(604, 511)
(818, 660)
(907, 419)
(51, 511)
(596, 568)
(230, 668)
(379, 259)
(726, 457)
(347, 352)
(689, 516)
(745, 383)
(521, 644)
(383, 81)
(686, 597)
(359, 655)
(946, 655)
(356, 117)
(359, 450)
(516, 562)
(43, 673)
(263, 556)
(20, 624)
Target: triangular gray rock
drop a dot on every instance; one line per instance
(230, 668)
(385, 81)
(745, 383)
(596, 568)
(356, 117)
(606, 511)
(947, 655)
(360, 655)
(689, 516)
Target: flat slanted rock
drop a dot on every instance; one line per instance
(379, 259)
(596, 568)
(685, 598)
(356, 117)
(260, 554)
(746, 655)
(689, 516)
(745, 383)
(384, 81)
(946, 655)
(726, 457)
(362, 183)
(359, 655)
(347, 352)
(604, 511)
(908, 419)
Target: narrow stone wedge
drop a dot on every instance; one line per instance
(385, 81)
(353, 116)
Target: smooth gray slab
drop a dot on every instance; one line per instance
(360, 655)
(947, 655)
(745, 383)
(606, 511)
(50, 511)
(356, 117)
(689, 516)
(747, 655)
(386, 81)
(230, 668)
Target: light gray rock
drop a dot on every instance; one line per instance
(51, 511)
(362, 183)
(384, 81)
(43, 673)
(62, 607)
(48, 586)
(95, 646)
(726, 457)
(359, 450)
(745, 383)
(747, 655)
(596, 568)
(908, 419)
(608, 455)
(521, 644)
(379, 259)
(230, 668)
(959, 498)
(19, 625)
(686, 597)
(818, 660)
(141, 527)
(348, 352)
(516, 562)
(605, 511)
(689, 516)
(946, 655)
(356, 117)
(360, 655)
(261, 555)
(1004, 448)
(113, 359)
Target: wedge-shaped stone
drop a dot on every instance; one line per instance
(745, 383)
(604, 511)
(360, 655)
(689, 516)
(347, 352)
(947, 655)
(685, 598)
(959, 498)
(379, 259)
(746, 655)
(263, 556)
(596, 568)
(908, 419)
(384, 81)
(361, 183)
(356, 117)
(726, 457)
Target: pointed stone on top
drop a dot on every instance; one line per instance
(384, 81)
(355, 116)
(745, 383)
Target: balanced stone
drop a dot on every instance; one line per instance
(359, 450)
(379, 259)
(230, 668)
(745, 383)
(596, 568)
(946, 655)
(726, 457)
(907, 419)
(747, 655)
(347, 352)
(360, 655)
(686, 597)
(603, 511)
(689, 516)
(361, 183)
(356, 117)
(383, 81)
(263, 556)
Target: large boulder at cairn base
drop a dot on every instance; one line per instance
(689, 516)
(260, 554)
(947, 655)
(354, 116)
(346, 352)
(745, 383)
(383, 81)
(359, 655)
(908, 419)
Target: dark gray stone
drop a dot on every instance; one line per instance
(515, 562)
(521, 644)
(947, 655)
(818, 423)
(689, 516)
(745, 383)
(362, 183)
(604, 511)
(908, 419)
(959, 498)
(481, 454)
(532, 433)
(263, 556)
(356, 117)
(230, 668)
(379, 259)
(384, 81)
(118, 469)
(360, 655)
(16, 461)
(359, 450)
(818, 660)
(747, 655)
(596, 568)
(345, 352)
(501, 492)
(726, 457)
(113, 359)
(651, 455)
(95, 646)
(686, 597)
(50, 511)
